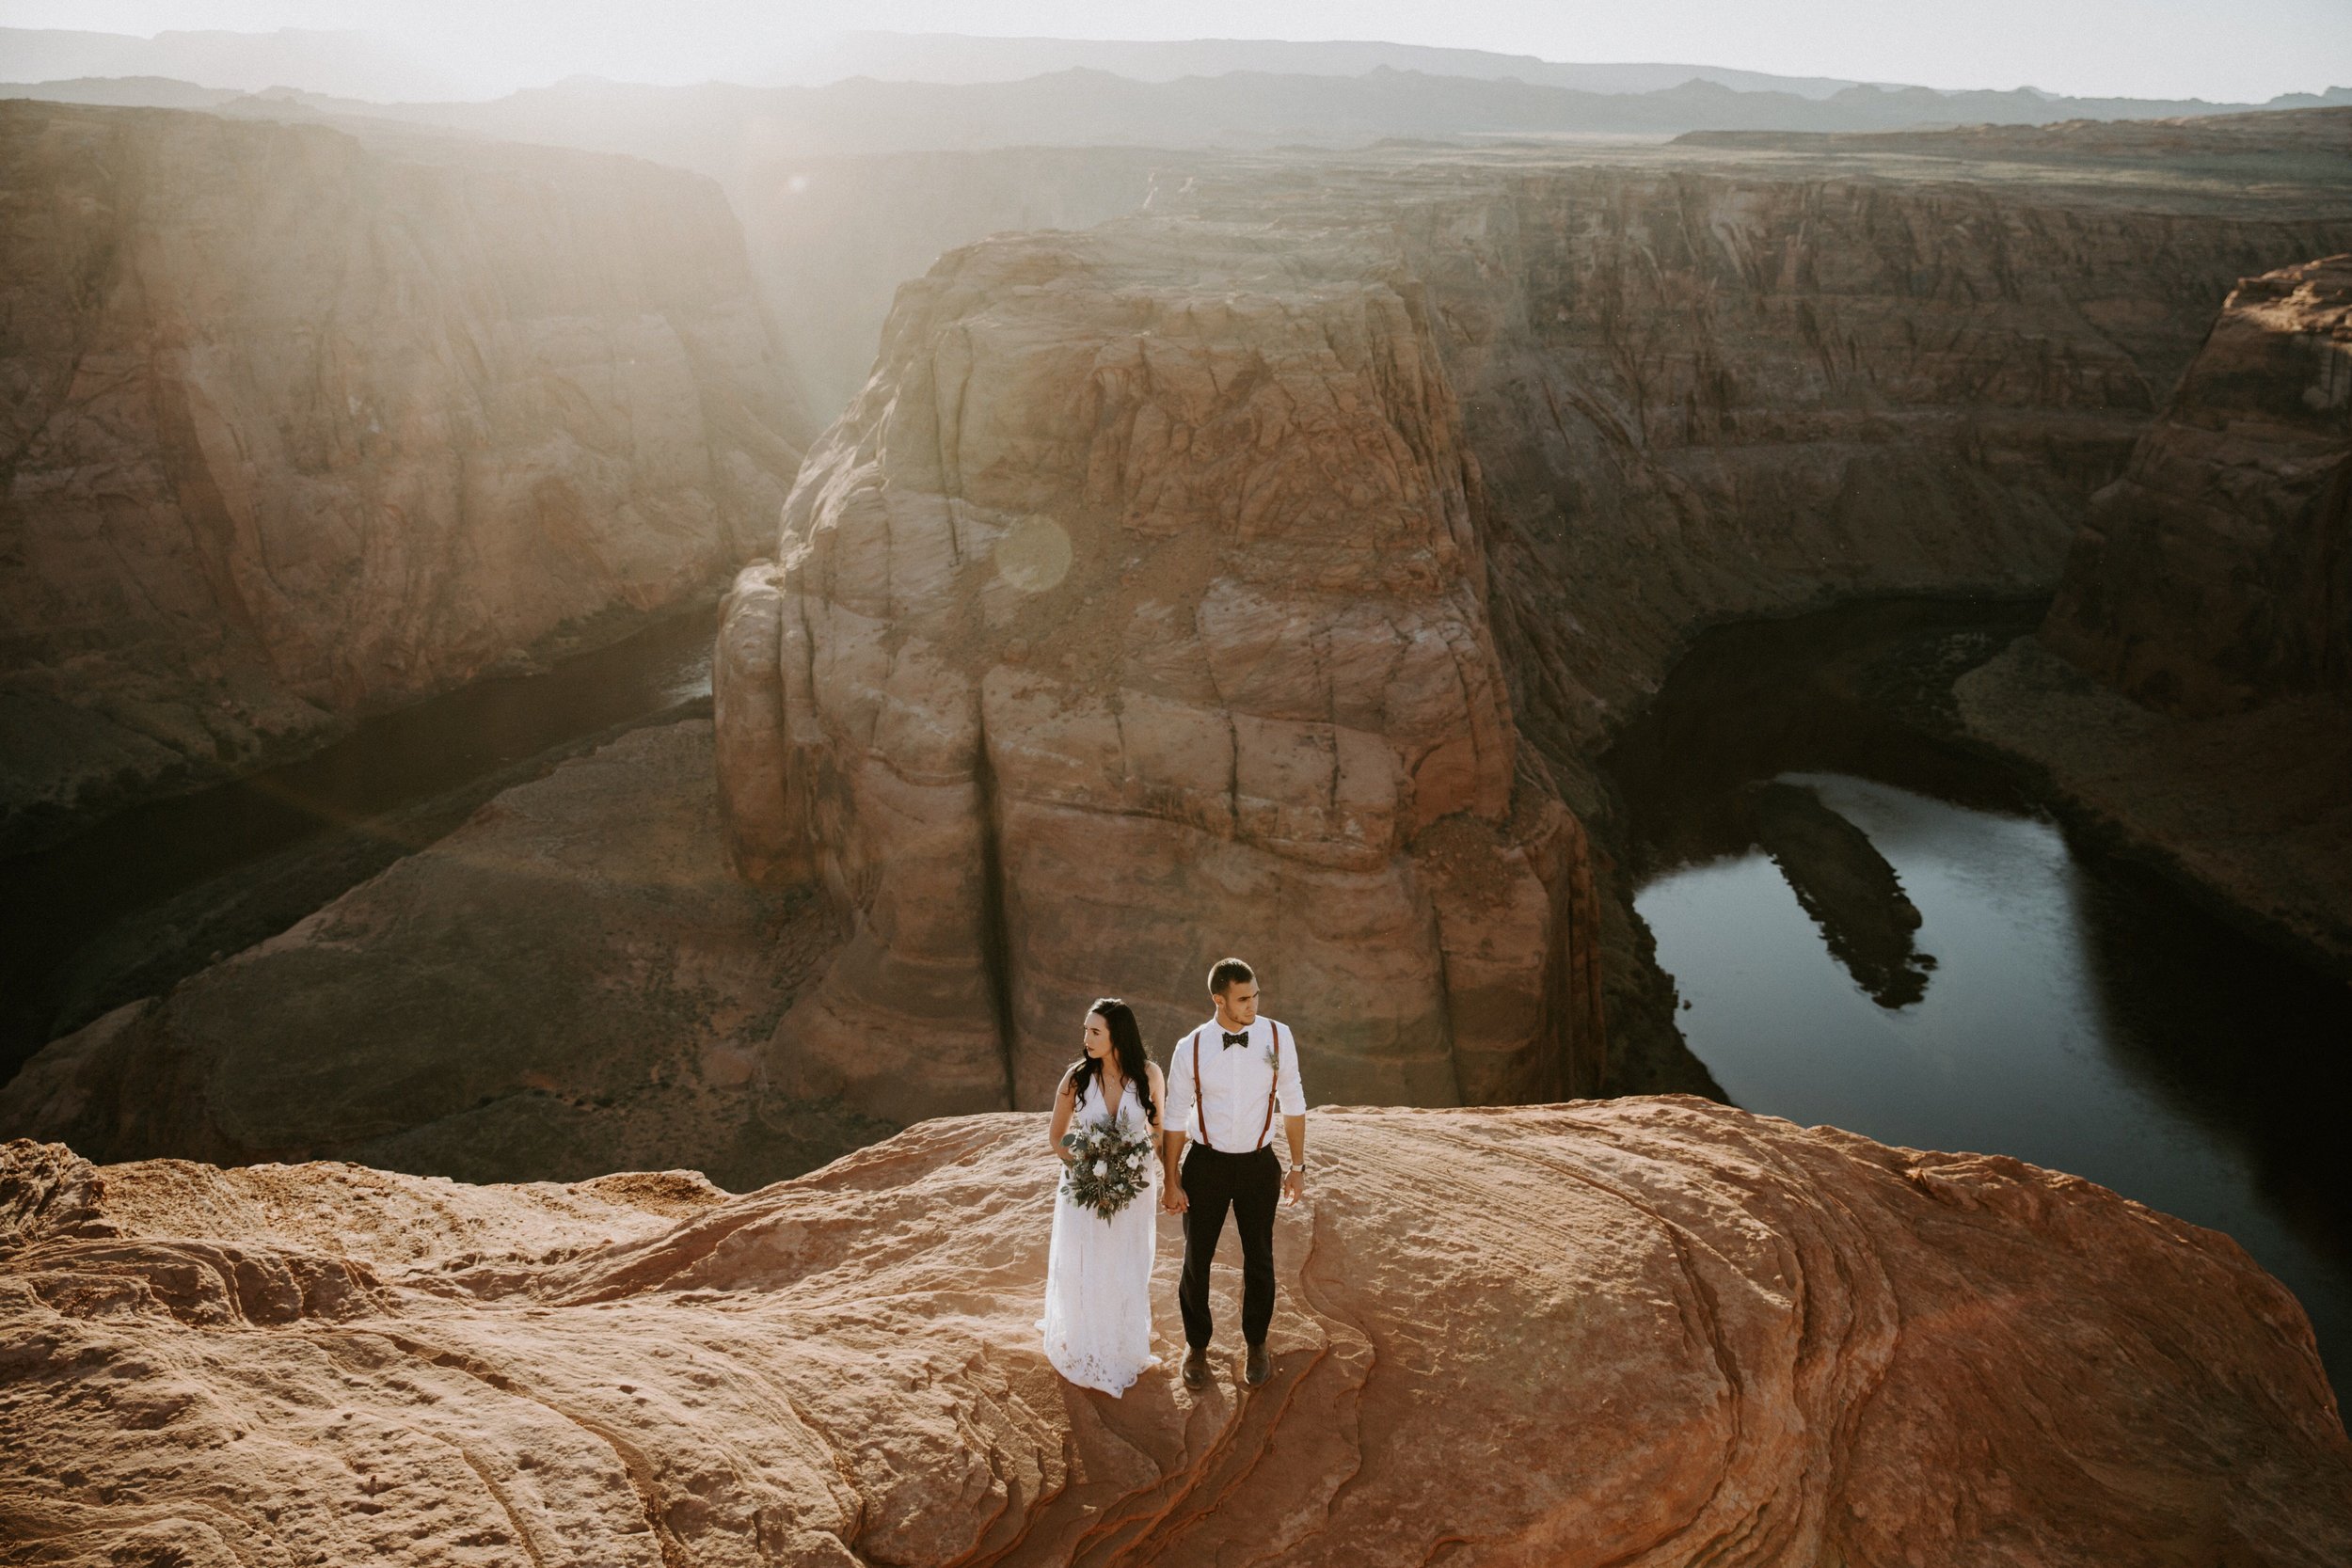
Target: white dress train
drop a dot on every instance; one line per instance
(1098, 1275)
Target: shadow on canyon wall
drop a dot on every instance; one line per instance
(134, 904)
(304, 429)
(1387, 489)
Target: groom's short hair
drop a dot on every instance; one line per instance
(1227, 973)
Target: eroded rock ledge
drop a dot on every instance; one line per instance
(2209, 600)
(1654, 1331)
(1134, 614)
(2217, 574)
(570, 982)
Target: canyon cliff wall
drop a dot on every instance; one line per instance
(571, 982)
(1656, 1332)
(1135, 614)
(299, 428)
(1302, 420)
(2216, 572)
(1700, 395)
(2190, 691)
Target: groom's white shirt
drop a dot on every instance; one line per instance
(1233, 1085)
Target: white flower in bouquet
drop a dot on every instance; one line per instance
(1106, 1167)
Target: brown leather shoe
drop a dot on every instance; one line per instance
(1196, 1368)
(1255, 1367)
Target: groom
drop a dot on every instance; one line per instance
(1224, 1084)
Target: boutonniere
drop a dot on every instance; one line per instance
(1273, 1047)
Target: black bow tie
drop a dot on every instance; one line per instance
(1242, 1039)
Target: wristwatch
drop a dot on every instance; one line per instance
(1298, 1170)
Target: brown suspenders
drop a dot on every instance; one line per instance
(1200, 1109)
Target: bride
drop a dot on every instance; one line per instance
(1098, 1275)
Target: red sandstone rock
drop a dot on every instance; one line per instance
(300, 428)
(1657, 1332)
(1640, 399)
(2216, 572)
(2210, 597)
(1703, 394)
(1135, 615)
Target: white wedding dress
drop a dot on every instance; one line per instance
(1098, 1275)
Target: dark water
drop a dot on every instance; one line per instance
(147, 896)
(2081, 1012)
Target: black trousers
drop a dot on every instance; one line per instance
(1251, 1186)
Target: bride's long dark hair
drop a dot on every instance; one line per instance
(1127, 1041)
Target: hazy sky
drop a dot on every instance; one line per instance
(2142, 48)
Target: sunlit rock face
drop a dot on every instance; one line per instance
(1195, 583)
(831, 238)
(1652, 1331)
(1134, 614)
(300, 429)
(2216, 572)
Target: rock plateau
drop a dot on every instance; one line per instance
(1654, 1332)
(299, 428)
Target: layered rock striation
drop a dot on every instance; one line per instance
(299, 428)
(1702, 394)
(1653, 1331)
(1135, 614)
(1113, 499)
(2216, 572)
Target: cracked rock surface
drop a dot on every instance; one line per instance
(1645, 1331)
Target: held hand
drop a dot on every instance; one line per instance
(1172, 1197)
(1294, 1187)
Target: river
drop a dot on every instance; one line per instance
(2079, 1011)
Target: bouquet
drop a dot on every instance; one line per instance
(1109, 1166)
